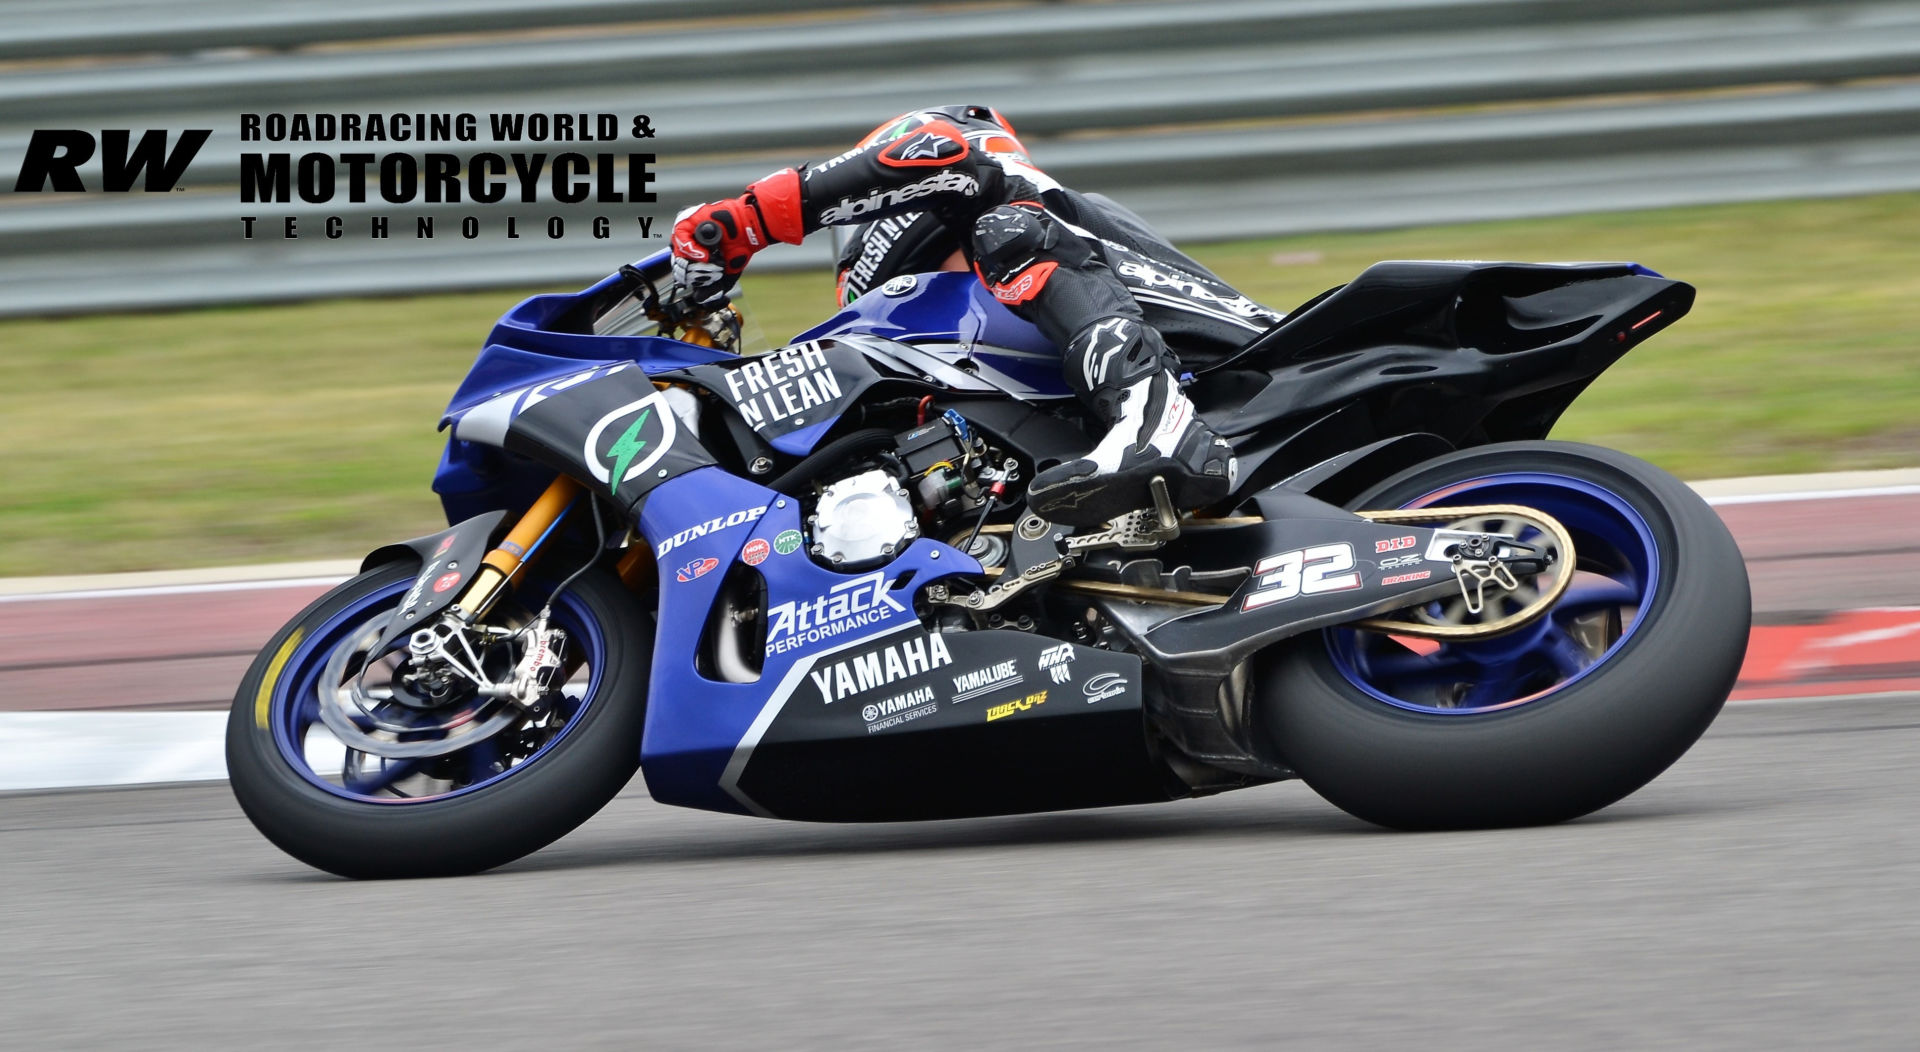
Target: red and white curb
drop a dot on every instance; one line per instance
(1851, 652)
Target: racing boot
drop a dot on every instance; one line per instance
(1153, 433)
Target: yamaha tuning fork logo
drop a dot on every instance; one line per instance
(397, 162)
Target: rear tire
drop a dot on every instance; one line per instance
(1577, 747)
(554, 792)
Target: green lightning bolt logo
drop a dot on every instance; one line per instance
(626, 447)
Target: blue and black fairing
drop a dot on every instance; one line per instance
(793, 396)
(939, 330)
(950, 317)
(542, 347)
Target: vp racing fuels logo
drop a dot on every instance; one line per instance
(850, 209)
(848, 606)
(696, 569)
(622, 445)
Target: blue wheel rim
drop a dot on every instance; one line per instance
(293, 706)
(1619, 564)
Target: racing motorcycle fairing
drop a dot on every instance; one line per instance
(919, 724)
(855, 710)
(793, 396)
(610, 424)
(1340, 477)
(544, 343)
(561, 326)
(1497, 308)
(1469, 352)
(702, 723)
(951, 319)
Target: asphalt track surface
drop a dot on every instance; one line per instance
(1761, 894)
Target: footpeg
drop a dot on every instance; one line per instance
(1163, 509)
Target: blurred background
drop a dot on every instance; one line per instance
(173, 395)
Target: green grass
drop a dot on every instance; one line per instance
(264, 433)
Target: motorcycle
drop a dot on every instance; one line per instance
(803, 584)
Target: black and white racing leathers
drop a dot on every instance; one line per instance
(1092, 276)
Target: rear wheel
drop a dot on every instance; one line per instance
(518, 787)
(1552, 721)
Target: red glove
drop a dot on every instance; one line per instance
(713, 242)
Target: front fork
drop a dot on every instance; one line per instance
(522, 546)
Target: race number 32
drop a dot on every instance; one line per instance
(1309, 571)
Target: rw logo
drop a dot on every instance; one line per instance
(55, 155)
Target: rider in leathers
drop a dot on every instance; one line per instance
(1089, 274)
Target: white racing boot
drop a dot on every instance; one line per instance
(1154, 433)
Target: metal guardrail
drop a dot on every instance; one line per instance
(65, 28)
(1757, 98)
(51, 28)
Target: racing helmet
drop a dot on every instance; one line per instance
(976, 122)
(872, 252)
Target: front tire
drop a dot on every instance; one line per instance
(1524, 742)
(326, 822)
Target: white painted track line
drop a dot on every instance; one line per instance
(68, 750)
(1828, 494)
(272, 574)
(176, 589)
(1822, 482)
(60, 750)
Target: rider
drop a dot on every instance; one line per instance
(1088, 273)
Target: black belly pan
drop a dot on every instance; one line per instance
(920, 725)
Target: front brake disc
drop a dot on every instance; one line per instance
(364, 718)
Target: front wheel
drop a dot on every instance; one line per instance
(1557, 719)
(514, 790)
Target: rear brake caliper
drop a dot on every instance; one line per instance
(1526, 579)
(1479, 559)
